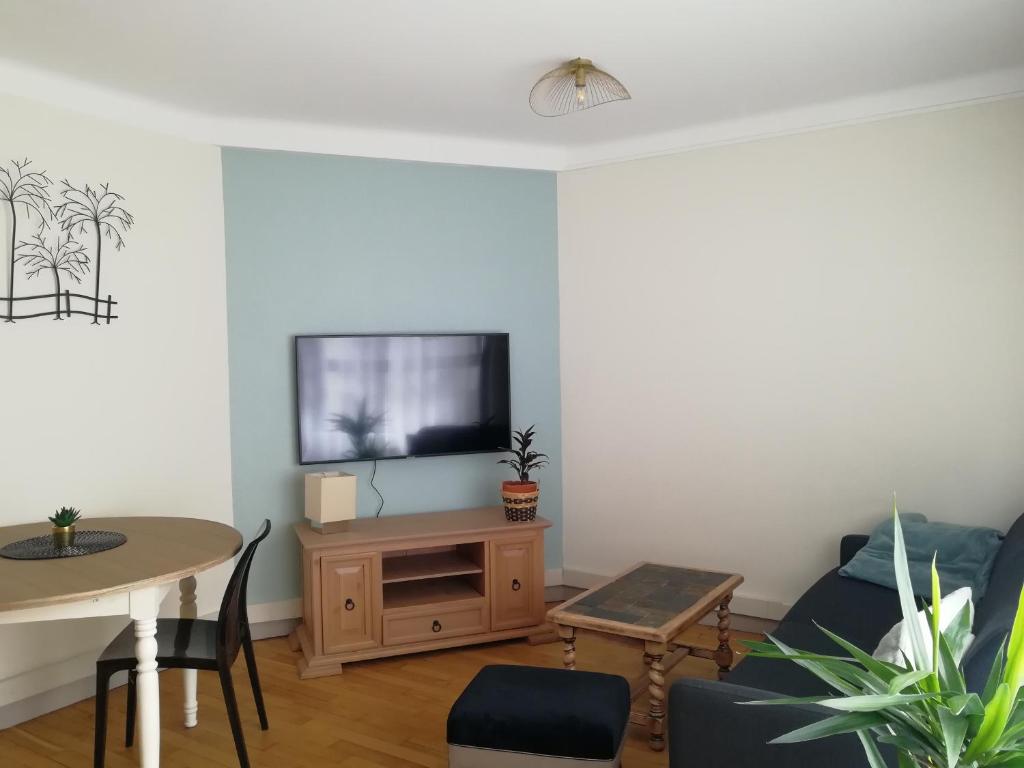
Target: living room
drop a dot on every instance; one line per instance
(771, 281)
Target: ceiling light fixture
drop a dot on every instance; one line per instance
(573, 87)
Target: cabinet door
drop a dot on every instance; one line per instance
(517, 583)
(351, 620)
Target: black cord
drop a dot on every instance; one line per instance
(376, 489)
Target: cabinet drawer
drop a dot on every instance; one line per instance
(435, 623)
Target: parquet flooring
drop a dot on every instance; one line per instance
(388, 713)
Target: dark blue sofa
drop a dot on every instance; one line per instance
(708, 727)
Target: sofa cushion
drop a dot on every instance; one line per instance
(995, 613)
(1004, 584)
(858, 611)
(554, 712)
(965, 556)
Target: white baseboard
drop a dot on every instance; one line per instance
(280, 610)
(48, 701)
(75, 682)
(743, 604)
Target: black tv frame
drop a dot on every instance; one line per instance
(298, 413)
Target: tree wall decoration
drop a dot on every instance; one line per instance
(21, 188)
(53, 251)
(70, 224)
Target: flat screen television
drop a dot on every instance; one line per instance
(395, 396)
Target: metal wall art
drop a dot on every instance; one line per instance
(57, 232)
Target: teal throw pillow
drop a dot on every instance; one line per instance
(965, 556)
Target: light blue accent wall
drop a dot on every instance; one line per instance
(324, 244)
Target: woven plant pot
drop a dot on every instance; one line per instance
(520, 500)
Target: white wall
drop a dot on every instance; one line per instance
(761, 342)
(125, 419)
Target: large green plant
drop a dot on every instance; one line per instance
(923, 707)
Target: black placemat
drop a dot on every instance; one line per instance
(42, 548)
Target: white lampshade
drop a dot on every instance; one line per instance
(330, 497)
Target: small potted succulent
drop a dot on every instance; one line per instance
(520, 496)
(64, 526)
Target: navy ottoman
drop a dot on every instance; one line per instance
(531, 717)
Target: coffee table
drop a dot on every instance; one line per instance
(655, 604)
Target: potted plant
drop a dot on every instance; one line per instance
(922, 708)
(520, 496)
(64, 526)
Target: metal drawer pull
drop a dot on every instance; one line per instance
(350, 604)
(516, 586)
(436, 626)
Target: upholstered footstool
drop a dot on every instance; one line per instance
(529, 717)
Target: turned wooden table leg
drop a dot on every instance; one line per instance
(568, 635)
(723, 655)
(656, 689)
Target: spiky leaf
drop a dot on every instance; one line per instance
(832, 726)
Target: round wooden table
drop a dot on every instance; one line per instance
(130, 580)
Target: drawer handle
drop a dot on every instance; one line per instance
(436, 626)
(350, 604)
(516, 586)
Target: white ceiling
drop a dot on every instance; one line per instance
(449, 79)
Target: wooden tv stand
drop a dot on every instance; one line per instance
(408, 583)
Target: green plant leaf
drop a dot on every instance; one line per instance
(913, 742)
(995, 674)
(936, 610)
(914, 722)
(818, 670)
(1011, 734)
(966, 704)
(951, 679)
(784, 701)
(757, 645)
(776, 654)
(871, 750)
(1014, 676)
(906, 594)
(954, 730)
(880, 668)
(997, 712)
(958, 633)
(874, 702)
(905, 680)
(838, 665)
(832, 726)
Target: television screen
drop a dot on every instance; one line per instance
(389, 397)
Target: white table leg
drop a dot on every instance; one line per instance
(144, 605)
(187, 589)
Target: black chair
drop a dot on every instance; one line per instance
(190, 644)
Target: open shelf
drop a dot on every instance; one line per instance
(432, 565)
(406, 594)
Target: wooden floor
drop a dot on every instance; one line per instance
(389, 713)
